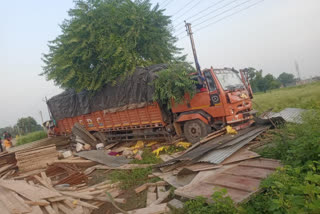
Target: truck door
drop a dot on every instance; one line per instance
(216, 95)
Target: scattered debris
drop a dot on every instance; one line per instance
(23, 197)
(102, 156)
(214, 151)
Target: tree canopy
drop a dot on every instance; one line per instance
(105, 39)
(27, 125)
(23, 126)
(286, 78)
(262, 83)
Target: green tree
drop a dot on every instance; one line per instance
(271, 82)
(173, 83)
(27, 125)
(259, 82)
(286, 79)
(105, 39)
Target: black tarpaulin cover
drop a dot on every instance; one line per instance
(136, 89)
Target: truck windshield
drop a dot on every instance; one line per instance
(229, 80)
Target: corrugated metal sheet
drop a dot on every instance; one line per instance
(217, 143)
(219, 155)
(292, 115)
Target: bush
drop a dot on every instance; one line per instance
(295, 188)
(31, 137)
(221, 204)
(290, 190)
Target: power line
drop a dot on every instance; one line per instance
(225, 11)
(188, 18)
(212, 12)
(169, 2)
(189, 2)
(196, 4)
(225, 17)
(193, 21)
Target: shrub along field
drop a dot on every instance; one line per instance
(33, 136)
(303, 96)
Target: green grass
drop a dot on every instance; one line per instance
(38, 135)
(303, 96)
(136, 177)
(132, 178)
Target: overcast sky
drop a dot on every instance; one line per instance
(268, 36)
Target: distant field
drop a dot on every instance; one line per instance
(31, 137)
(303, 96)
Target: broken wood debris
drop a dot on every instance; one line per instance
(18, 196)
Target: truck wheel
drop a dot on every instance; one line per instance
(194, 130)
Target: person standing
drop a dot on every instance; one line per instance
(7, 140)
(1, 148)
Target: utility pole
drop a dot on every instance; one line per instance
(40, 112)
(190, 34)
(297, 69)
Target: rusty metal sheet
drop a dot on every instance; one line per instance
(241, 180)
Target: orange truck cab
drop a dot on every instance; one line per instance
(223, 99)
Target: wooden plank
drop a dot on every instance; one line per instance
(82, 203)
(50, 210)
(13, 202)
(75, 161)
(3, 208)
(38, 203)
(262, 163)
(6, 167)
(146, 185)
(28, 191)
(151, 197)
(69, 204)
(141, 188)
(161, 191)
(36, 210)
(236, 182)
(77, 195)
(65, 209)
(241, 155)
(156, 209)
(252, 172)
(55, 207)
(160, 199)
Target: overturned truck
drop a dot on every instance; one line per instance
(126, 111)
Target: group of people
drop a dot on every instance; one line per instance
(6, 141)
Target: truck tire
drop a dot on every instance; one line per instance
(194, 130)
